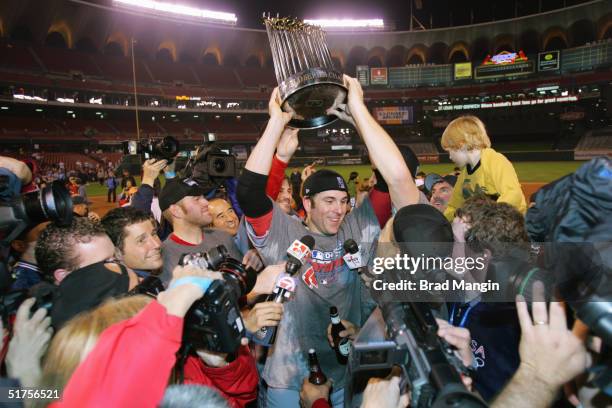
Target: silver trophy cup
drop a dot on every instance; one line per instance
(308, 83)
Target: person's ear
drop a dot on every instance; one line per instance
(60, 275)
(176, 211)
(307, 204)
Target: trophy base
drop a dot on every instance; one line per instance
(309, 94)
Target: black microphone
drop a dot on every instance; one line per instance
(352, 258)
(297, 253)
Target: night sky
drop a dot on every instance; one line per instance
(431, 13)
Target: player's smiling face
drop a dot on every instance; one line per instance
(326, 211)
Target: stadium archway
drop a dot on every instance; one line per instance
(376, 57)
(437, 53)
(458, 53)
(605, 27)
(120, 40)
(212, 56)
(396, 56)
(582, 32)
(554, 39)
(166, 51)
(56, 40)
(417, 54)
(113, 49)
(60, 27)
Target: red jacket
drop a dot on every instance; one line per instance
(132, 361)
(237, 381)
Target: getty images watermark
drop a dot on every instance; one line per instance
(454, 266)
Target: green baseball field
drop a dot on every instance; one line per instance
(528, 172)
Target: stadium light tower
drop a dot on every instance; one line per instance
(132, 41)
(177, 10)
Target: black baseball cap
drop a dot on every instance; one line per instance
(177, 189)
(423, 229)
(323, 180)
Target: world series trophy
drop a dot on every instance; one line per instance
(308, 82)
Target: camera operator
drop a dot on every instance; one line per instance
(327, 280)
(156, 331)
(78, 259)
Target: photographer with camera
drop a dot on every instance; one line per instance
(157, 330)
(326, 279)
(78, 258)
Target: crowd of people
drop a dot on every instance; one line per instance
(97, 343)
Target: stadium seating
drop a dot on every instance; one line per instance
(17, 57)
(255, 77)
(92, 128)
(169, 72)
(68, 158)
(26, 126)
(66, 61)
(120, 68)
(596, 141)
(217, 77)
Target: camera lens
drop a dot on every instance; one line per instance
(167, 148)
(53, 203)
(219, 165)
(245, 277)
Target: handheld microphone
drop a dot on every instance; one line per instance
(297, 254)
(353, 255)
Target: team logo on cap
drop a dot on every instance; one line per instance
(190, 182)
(340, 182)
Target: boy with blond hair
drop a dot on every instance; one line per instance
(483, 170)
